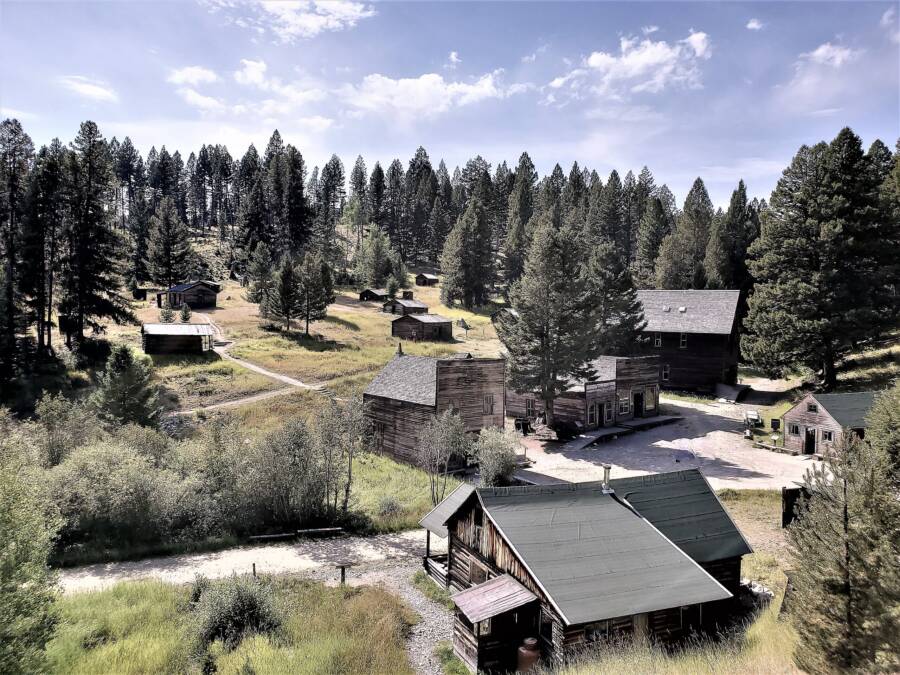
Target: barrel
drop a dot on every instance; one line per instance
(529, 655)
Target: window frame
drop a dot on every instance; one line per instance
(827, 436)
(682, 341)
(487, 404)
(812, 408)
(624, 401)
(530, 407)
(666, 372)
(607, 412)
(793, 429)
(592, 413)
(657, 339)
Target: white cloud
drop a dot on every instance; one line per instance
(532, 57)
(648, 30)
(889, 22)
(200, 101)
(192, 75)
(284, 98)
(316, 123)
(824, 112)
(87, 87)
(290, 20)
(12, 113)
(454, 58)
(831, 55)
(755, 24)
(251, 72)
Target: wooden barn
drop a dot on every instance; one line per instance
(431, 327)
(196, 294)
(816, 423)
(176, 338)
(620, 388)
(696, 335)
(373, 295)
(578, 564)
(425, 279)
(411, 390)
(403, 306)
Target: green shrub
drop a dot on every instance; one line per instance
(232, 608)
(496, 454)
(388, 506)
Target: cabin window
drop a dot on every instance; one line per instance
(827, 436)
(546, 626)
(794, 429)
(379, 435)
(594, 632)
(657, 339)
(812, 407)
(477, 524)
(488, 405)
(650, 398)
(484, 627)
(592, 413)
(478, 574)
(607, 409)
(665, 372)
(682, 341)
(624, 403)
(529, 407)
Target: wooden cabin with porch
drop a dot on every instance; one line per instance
(430, 327)
(177, 338)
(426, 279)
(618, 388)
(818, 421)
(578, 564)
(696, 335)
(412, 390)
(403, 306)
(195, 294)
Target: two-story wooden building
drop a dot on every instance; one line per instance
(618, 388)
(696, 335)
(411, 390)
(578, 564)
(817, 422)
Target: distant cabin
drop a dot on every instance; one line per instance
(696, 335)
(576, 565)
(411, 390)
(196, 294)
(403, 306)
(425, 279)
(176, 338)
(818, 421)
(430, 327)
(373, 295)
(618, 389)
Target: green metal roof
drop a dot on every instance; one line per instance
(594, 557)
(849, 409)
(435, 520)
(683, 506)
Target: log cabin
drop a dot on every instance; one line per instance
(176, 338)
(818, 421)
(195, 294)
(425, 279)
(695, 334)
(577, 564)
(373, 295)
(404, 306)
(431, 327)
(618, 388)
(412, 390)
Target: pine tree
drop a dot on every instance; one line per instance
(652, 230)
(252, 215)
(618, 316)
(375, 196)
(730, 236)
(358, 180)
(606, 216)
(125, 393)
(680, 263)
(519, 212)
(260, 280)
(166, 313)
(296, 233)
(169, 249)
(466, 259)
(286, 302)
(437, 229)
(376, 260)
(846, 582)
(717, 264)
(883, 430)
(184, 313)
(316, 288)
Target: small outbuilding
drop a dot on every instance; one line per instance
(818, 421)
(422, 327)
(373, 295)
(176, 338)
(195, 294)
(402, 306)
(425, 279)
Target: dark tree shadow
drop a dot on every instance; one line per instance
(344, 323)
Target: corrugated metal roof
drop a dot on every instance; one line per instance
(436, 520)
(407, 303)
(683, 506)
(496, 596)
(427, 275)
(177, 329)
(593, 556)
(407, 378)
(425, 318)
(849, 409)
(704, 311)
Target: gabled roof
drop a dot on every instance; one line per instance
(704, 311)
(376, 291)
(849, 409)
(427, 275)
(180, 288)
(407, 378)
(435, 520)
(177, 329)
(407, 303)
(425, 318)
(593, 556)
(500, 594)
(683, 506)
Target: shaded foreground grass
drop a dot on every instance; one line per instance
(146, 627)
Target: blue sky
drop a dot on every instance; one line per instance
(723, 90)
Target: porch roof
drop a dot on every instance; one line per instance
(500, 594)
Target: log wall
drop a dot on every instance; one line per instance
(397, 425)
(464, 384)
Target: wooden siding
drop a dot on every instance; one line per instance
(397, 425)
(817, 422)
(197, 297)
(423, 281)
(727, 572)
(463, 384)
(391, 307)
(407, 328)
(175, 344)
(705, 360)
(637, 376)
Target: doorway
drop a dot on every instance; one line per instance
(809, 441)
(638, 404)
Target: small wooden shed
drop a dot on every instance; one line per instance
(373, 295)
(176, 338)
(425, 279)
(195, 294)
(402, 306)
(422, 327)
(817, 422)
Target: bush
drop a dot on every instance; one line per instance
(230, 609)
(388, 506)
(125, 392)
(496, 454)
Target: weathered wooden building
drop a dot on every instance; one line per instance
(403, 306)
(176, 338)
(422, 327)
(373, 295)
(577, 564)
(817, 422)
(619, 388)
(411, 390)
(696, 335)
(425, 279)
(195, 294)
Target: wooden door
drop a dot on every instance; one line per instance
(809, 441)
